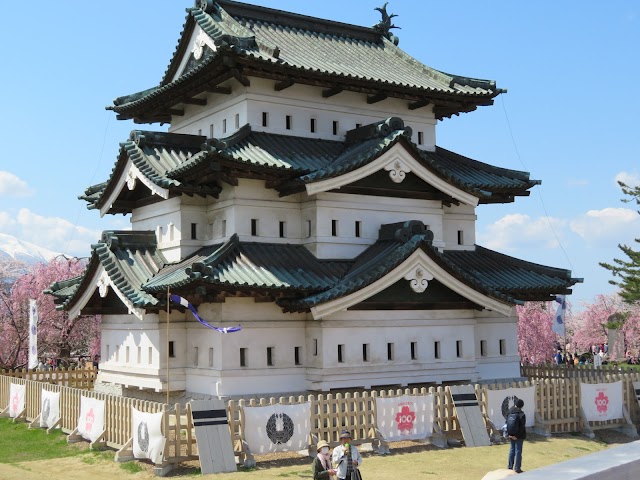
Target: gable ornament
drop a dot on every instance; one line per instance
(103, 284)
(418, 278)
(131, 180)
(198, 45)
(397, 170)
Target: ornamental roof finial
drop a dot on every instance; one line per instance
(384, 26)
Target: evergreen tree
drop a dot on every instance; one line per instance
(627, 272)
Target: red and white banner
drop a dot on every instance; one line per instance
(405, 417)
(91, 420)
(601, 401)
(277, 428)
(148, 441)
(49, 408)
(500, 401)
(17, 394)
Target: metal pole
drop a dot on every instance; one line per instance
(168, 346)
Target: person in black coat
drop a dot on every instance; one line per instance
(517, 438)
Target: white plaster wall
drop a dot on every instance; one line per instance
(301, 102)
(455, 218)
(492, 328)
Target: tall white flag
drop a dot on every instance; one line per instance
(33, 334)
(558, 319)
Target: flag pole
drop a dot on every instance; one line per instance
(168, 346)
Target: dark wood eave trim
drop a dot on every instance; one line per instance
(180, 50)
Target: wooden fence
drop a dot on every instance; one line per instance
(83, 378)
(557, 406)
(574, 371)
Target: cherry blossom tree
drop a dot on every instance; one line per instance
(58, 335)
(593, 322)
(536, 341)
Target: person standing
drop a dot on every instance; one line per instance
(346, 457)
(517, 433)
(322, 468)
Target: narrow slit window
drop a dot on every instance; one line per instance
(436, 349)
(460, 237)
(224, 228)
(483, 348)
(195, 356)
(287, 122)
(358, 229)
(420, 138)
(334, 228)
(312, 125)
(503, 346)
(211, 131)
(107, 354)
(265, 119)
(308, 228)
(340, 353)
(237, 117)
(296, 355)
(414, 350)
(150, 355)
(270, 356)
(459, 348)
(139, 354)
(224, 125)
(199, 131)
(126, 358)
(194, 231)
(243, 357)
(283, 229)
(254, 227)
(315, 347)
(211, 357)
(172, 353)
(335, 127)
(118, 353)
(365, 352)
(389, 351)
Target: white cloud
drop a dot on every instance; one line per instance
(607, 227)
(630, 179)
(521, 231)
(54, 233)
(13, 186)
(577, 182)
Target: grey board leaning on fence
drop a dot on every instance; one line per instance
(469, 415)
(213, 436)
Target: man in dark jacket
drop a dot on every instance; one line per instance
(517, 434)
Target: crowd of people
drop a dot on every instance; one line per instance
(46, 364)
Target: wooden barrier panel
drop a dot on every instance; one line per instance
(83, 378)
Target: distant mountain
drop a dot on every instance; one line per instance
(12, 247)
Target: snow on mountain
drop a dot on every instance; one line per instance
(12, 247)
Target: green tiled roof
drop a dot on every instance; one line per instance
(502, 277)
(180, 162)
(153, 153)
(130, 259)
(250, 265)
(267, 42)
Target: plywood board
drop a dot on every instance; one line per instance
(213, 436)
(469, 415)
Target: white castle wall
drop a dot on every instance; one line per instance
(208, 363)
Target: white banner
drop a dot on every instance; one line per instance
(33, 334)
(17, 394)
(500, 401)
(148, 441)
(601, 401)
(91, 420)
(49, 408)
(405, 417)
(277, 428)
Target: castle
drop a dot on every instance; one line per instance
(300, 193)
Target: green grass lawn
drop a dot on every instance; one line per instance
(18, 443)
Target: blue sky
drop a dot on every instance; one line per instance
(569, 117)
